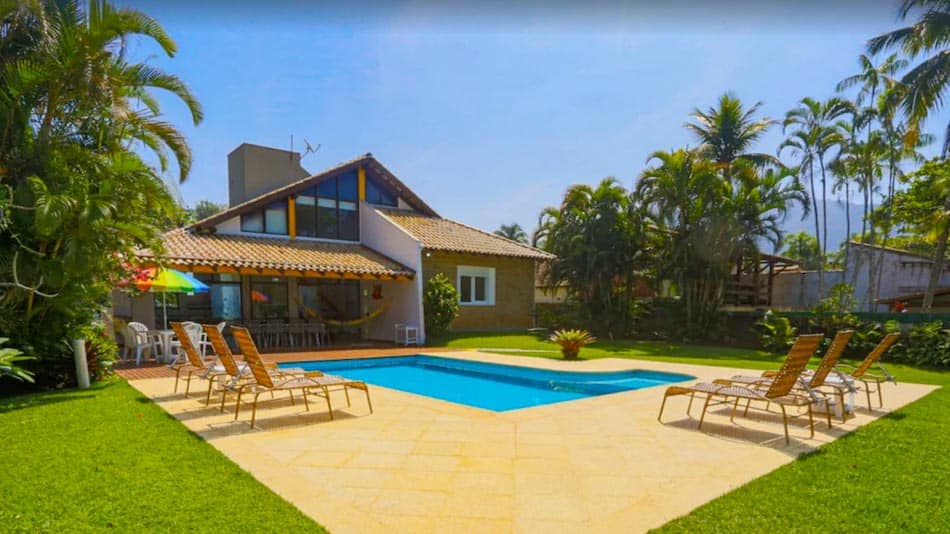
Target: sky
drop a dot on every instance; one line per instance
(490, 112)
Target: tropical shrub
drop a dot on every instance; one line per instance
(10, 359)
(80, 125)
(775, 332)
(927, 344)
(571, 341)
(441, 304)
(101, 350)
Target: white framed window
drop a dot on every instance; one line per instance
(476, 285)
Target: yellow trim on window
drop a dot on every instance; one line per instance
(292, 217)
(361, 174)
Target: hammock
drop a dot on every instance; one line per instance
(313, 314)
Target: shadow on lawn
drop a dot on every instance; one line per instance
(35, 400)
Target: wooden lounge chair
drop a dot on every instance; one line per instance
(815, 382)
(778, 389)
(238, 371)
(862, 373)
(193, 365)
(312, 383)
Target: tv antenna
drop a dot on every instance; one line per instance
(309, 149)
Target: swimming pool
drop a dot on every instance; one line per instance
(484, 385)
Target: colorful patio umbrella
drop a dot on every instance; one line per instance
(169, 281)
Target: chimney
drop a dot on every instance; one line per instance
(254, 170)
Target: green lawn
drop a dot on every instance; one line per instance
(890, 476)
(109, 459)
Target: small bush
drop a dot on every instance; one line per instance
(10, 359)
(775, 333)
(101, 350)
(571, 341)
(441, 304)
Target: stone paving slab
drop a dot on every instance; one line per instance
(418, 464)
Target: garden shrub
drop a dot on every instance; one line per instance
(927, 344)
(101, 350)
(441, 304)
(775, 332)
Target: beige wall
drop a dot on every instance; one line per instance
(514, 289)
(254, 170)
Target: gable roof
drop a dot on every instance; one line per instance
(369, 163)
(437, 233)
(224, 252)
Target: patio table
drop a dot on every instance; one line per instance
(165, 339)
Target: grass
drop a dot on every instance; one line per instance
(107, 458)
(889, 476)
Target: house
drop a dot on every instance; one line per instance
(352, 243)
(898, 275)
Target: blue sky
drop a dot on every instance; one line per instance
(490, 114)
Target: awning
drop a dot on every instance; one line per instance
(266, 256)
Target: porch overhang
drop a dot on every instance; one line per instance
(251, 271)
(274, 256)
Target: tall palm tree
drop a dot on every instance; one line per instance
(814, 133)
(728, 131)
(512, 231)
(683, 195)
(872, 79)
(923, 86)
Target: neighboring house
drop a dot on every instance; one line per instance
(902, 274)
(342, 244)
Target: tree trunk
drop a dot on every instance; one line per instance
(814, 203)
(937, 268)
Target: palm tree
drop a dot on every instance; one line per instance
(512, 231)
(598, 247)
(873, 78)
(63, 63)
(814, 133)
(923, 87)
(728, 131)
(683, 194)
(76, 115)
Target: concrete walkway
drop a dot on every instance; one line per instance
(602, 464)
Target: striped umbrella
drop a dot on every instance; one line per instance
(160, 280)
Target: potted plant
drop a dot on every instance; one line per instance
(571, 341)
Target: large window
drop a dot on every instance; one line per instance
(222, 302)
(268, 298)
(330, 209)
(271, 219)
(330, 299)
(377, 194)
(476, 285)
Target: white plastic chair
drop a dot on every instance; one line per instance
(137, 339)
(204, 344)
(410, 334)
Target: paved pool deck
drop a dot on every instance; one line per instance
(601, 464)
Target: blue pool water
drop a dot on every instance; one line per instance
(487, 385)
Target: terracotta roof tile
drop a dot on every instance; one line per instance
(221, 250)
(437, 233)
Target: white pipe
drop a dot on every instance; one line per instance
(82, 368)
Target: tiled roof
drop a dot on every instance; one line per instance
(437, 233)
(189, 249)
